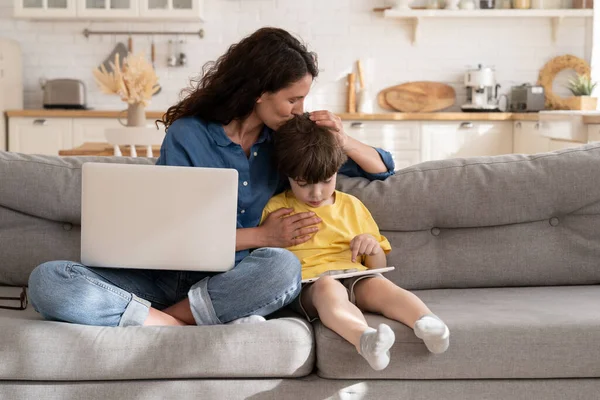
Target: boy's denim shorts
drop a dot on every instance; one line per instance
(348, 283)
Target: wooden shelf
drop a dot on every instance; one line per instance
(556, 16)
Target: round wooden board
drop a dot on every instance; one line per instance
(420, 96)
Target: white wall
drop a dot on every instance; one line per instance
(340, 31)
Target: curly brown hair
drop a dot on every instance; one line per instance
(304, 150)
(267, 61)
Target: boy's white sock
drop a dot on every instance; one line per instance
(250, 319)
(434, 333)
(375, 346)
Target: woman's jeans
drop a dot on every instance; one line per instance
(265, 281)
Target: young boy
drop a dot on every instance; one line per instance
(310, 156)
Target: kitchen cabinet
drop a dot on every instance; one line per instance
(135, 10)
(593, 133)
(527, 138)
(530, 138)
(107, 8)
(87, 130)
(11, 83)
(175, 9)
(39, 9)
(401, 139)
(441, 140)
(39, 135)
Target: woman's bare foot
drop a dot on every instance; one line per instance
(159, 318)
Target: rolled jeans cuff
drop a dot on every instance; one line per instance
(136, 312)
(201, 304)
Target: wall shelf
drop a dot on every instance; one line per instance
(556, 16)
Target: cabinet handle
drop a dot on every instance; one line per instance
(39, 122)
(518, 125)
(466, 125)
(356, 125)
(537, 125)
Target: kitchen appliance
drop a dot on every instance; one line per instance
(64, 93)
(527, 98)
(482, 90)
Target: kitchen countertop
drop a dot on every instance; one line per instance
(42, 113)
(391, 116)
(440, 116)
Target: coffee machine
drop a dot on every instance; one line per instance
(482, 90)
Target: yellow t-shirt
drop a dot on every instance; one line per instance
(329, 248)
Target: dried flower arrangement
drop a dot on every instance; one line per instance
(135, 81)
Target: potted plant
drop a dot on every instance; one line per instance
(582, 88)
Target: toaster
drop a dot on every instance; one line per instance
(64, 93)
(527, 98)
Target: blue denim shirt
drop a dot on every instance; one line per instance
(192, 142)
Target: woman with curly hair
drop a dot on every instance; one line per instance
(226, 120)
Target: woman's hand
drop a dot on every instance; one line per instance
(364, 244)
(334, 123)
(280, 229)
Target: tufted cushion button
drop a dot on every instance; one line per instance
(553, 221)
(435, 231)
(67, 226)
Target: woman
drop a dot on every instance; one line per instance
(226, 121)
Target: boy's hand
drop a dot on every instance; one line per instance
(280, 229)
(364, 244)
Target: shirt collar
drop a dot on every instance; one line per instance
(220, 137)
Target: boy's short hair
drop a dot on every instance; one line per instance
(307, 151)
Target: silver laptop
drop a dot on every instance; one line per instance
(158, 217)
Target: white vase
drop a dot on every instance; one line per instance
(402, 4)
(136, 115)
(452, 4)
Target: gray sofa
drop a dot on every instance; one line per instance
(505, 249)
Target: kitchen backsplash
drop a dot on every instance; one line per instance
(340, 31)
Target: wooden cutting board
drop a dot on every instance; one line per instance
(421, 96)
(381, 98)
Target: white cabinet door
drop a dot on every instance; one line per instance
(593, 133)
(171, 9)
(529, 138)
(45, 9)
(108, 9)
(39, 135)
(87, 130)
(442, 140)
(401, 138)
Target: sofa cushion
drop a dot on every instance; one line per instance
(47, 186)
(496, 333)
(27, 241)
(34, 349)
(491, 221)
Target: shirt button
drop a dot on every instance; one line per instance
(255, 153)
(245, 183)
(435, 231)
(243, 211)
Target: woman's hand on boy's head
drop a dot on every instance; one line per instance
(333, 122)
(364, 244)
(280, 229)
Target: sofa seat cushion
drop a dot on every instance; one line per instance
(495, 333)
(34, 349)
